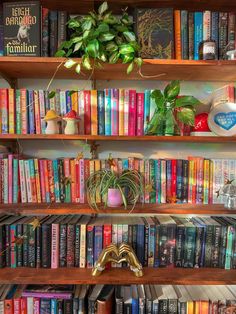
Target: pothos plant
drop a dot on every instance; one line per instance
(169, 107)
(103, 37)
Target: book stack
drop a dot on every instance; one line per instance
(194, 181)
(107, 299)
(102, 112)
(77, 241)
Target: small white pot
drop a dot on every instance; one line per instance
(52, 127)
(71, 126)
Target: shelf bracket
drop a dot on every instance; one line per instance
(11, 81)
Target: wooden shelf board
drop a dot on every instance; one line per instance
(118, 276)
(153, 69)
(72, 208)
(184, 139)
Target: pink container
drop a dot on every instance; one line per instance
(114, 198)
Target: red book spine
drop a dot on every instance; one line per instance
(87, 112)
(173, 181)
(77, 182)
(4, 110)
(17, 307)
(36, 305)
(132, 112)
(42, 180)
(51, 181)
(8, 307)
(23, 305)
(140, 113)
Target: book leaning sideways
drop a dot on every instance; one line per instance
(21, 22)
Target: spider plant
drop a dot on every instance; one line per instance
(129, 183)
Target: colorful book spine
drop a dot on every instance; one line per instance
(177, 23)
(24, 115)
(4, 109)
(11, 108)
(184, 35)
(42, 110)
(10, 179)
(37, 116)
(31, 111)
(114, 111)
(101, 112)
(147, 95)
(15, 180)
(140, 113)
(198, 33)
(126, 112)
(132, 113)
(18, 112)
(121, 111)
(107, 112)
(94, 113)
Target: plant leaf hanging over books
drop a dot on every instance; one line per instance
(103, 37)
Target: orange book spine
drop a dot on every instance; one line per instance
(37, 180)
(94, 113)
(177, 21)
(204, 307)
(11, 108)
(37, 112)
(8, 307)
(74, 101)
(73, 180)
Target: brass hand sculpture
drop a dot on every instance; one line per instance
(112, 253)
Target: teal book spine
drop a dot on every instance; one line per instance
(184, 34)
(125, 164)
(151, 245)
(15, 180)
(101, 112)
(147, 94)
(189, 247)
(152, 178)
(158, 180)
(56, 180)
(198, 33)
(107, 112)
(229, 247)
(53, 306)
(18, 112)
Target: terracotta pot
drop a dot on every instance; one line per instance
(114, 198)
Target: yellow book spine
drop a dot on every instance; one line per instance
(37, 180)
(73, 179)
(97, 167)
(11, 104)
(190, 307)
(121, 111)
(94, 113)
(74, 101)
(206, 181)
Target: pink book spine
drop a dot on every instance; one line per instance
(16, 305)
(114, 111)
(36, 306)
(24, 115)
(81, 174)
(77, 182)
(37, 112)
(42, 181)
(10, 181)
(55, 246)
(140, 113)
(126, 112)
(132, 113)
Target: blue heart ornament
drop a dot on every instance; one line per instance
(226, 120)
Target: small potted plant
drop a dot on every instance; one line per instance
(171, 107)
(115, 188)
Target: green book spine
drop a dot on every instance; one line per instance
(229, 247)
(152, 176)
(18, 112)
(189, 251)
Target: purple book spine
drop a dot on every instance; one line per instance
(97, 242)
(48, 295)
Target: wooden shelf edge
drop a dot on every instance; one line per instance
(146, 209)
(146, 138)
(118, 276)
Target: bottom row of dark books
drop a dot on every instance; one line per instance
(77, 241)
(108, 299)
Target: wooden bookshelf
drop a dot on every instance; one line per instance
(118, 276)
(44, 67)
(153, 138)
(146, 209)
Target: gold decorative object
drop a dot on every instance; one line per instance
(115, 254)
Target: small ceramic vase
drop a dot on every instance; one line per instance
(114, 198)
(71, 119)
(52, 122)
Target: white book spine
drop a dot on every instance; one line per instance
(81, 112)
(27, 179)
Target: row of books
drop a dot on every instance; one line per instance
(101, 112)
(193, 181)
(108, 299)
(77, 241)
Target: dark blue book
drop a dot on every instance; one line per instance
(184, 35)
(140, 243)
(190, 244)
(53, 30)
(179, 181)
(215, 30)
(90, 246)
(68, 101)
(45, 306)
(198, 33)
(135, 299)
(98, 241)
(158, 180)
(31, 116)
(101, 112)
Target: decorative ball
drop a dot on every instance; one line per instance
(201, 124)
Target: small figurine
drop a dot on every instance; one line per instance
(52, 122)
(71, 119)
(201, 127)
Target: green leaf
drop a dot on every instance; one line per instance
(102, 57)
(121, 28)
(78, 68)
(103, 8)
(68, 44)
(69, 52)
(184, 101)
(186, 116)
(106, 37)
(111, 46)
(127, 58)
(119, 40)
(60, 53)
(77, 46)
(71, 92)
(74, 23)
(126, 48)
(103, 28)
(86, 25)
(51, 94)
(130, 68)
(93, 48)
(86, 63)
(114, 57)
(110, 20)
(85, 34)
(70, 63)
(76, 39)
(129, 36)
(138, 61)
(172, 90)
(158, 98)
